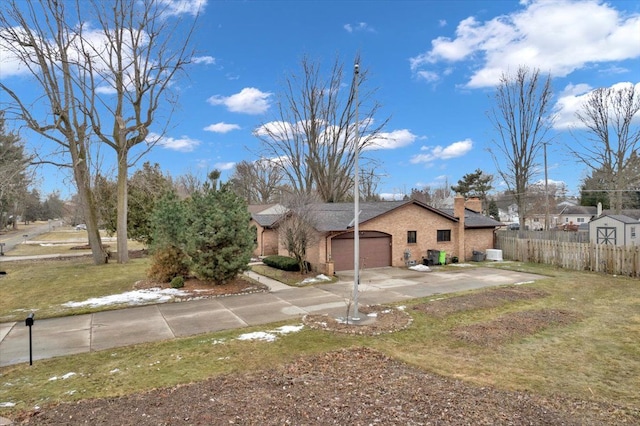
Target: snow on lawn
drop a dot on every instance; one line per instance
(136, 297)
(270, 336)
(317, 279)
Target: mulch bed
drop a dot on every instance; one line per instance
(347, 387)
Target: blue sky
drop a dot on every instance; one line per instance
(434, 63)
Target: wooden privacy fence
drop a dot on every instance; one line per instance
(578, 256)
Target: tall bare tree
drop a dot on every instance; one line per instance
(257, 182)
(104, 70)
(610, 116)
(312, 139)
(522, 119)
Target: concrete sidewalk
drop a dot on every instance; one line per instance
(110, 329)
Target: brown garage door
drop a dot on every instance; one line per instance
(375, 250)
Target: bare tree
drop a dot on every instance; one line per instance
(258, 181)
(312, 139)
(188, 183)
(104, 69)
(522, 118)
(297, 231)
(613, 139)
(439, 197)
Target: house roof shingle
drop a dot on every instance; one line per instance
(339, 216)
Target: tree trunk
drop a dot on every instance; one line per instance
(91, 219)
(121, 223)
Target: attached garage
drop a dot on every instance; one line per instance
(375, 250)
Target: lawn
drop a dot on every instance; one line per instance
(596, 356)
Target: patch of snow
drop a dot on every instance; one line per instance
(373, 315)
(402, 308)
(64, 377)
(286, 329)
(461, 265)
(7, 404)
(114, 371)
(135, 297)
(270, 336)
(258, 335)
(524, 282)
(420, 268)
(316, 279)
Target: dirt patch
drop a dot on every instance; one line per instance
(358, 386)
(374, 320)
(199, 289)
(483, 300)
(512, 326)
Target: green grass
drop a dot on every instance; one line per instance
(597, 357)
(43, 286)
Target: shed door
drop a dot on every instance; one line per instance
(375, 250)
(606, 236)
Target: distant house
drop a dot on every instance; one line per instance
(617, 230)
(573, 216)
(392, 233)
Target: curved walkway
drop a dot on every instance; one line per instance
(109, 329)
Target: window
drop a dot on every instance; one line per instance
(633, 232)
(412, 237)
(580, 220)
(444, 235)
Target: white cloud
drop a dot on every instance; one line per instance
(360, 26)
(571, 100)
(221, 127)
(224, 166)
(249, 101)
(428, 76)
(277, 129)
(183, 144)
(392, 140)
(456, 149)
(558, 37)
(181, 7)
(207, 60)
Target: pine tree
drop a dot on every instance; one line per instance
(219, 239)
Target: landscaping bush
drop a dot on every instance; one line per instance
(168, 263)
(282, 262)
(177, 282)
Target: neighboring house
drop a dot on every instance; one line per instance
(392, 233)
(265, 217)
(617, 230)
(510, 215)
(573, 216)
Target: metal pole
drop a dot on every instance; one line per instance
(30, 348)
(546, 191)
(356, 205)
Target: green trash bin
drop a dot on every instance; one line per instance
(443, 258)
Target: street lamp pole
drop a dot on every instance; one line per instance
(356, 203)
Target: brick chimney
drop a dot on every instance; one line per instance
(474, 203)
(458, 211)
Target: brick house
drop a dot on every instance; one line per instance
(392, 233)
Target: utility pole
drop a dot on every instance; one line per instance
(546, 190)
(356, 203)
